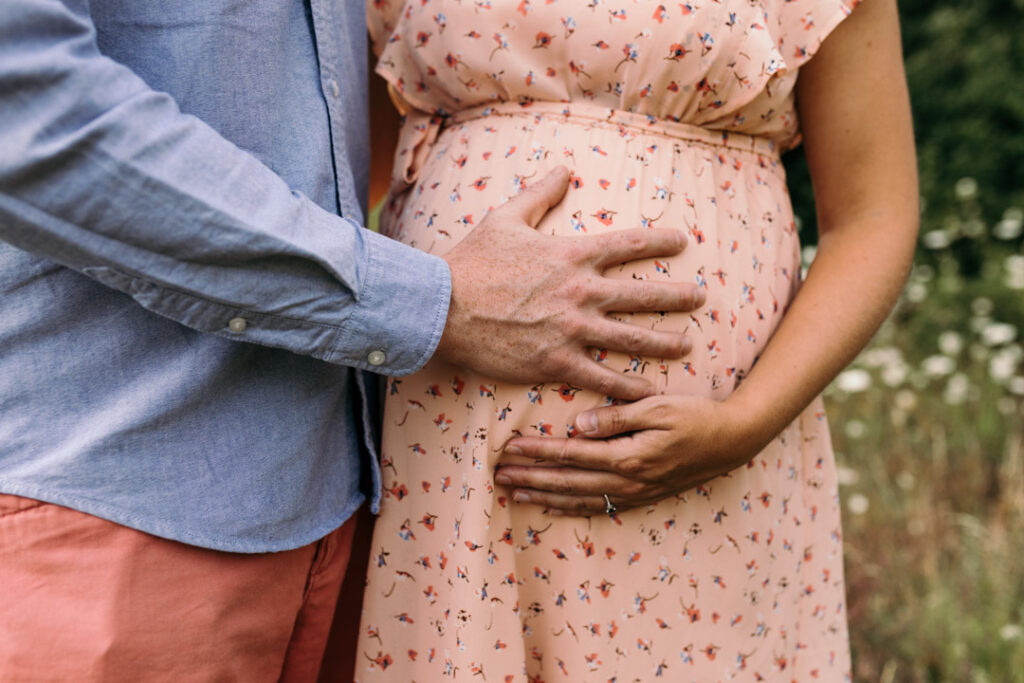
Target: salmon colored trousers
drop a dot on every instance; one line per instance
(84, 599)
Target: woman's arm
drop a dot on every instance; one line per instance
(855, 116)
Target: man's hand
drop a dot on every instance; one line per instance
(636, 454)
(525, 307)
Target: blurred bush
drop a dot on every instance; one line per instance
(964, 63)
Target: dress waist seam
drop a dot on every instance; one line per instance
(627, 123)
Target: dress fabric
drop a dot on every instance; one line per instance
(668, 115)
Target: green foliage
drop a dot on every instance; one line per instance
(964, 63)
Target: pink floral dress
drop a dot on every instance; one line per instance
(671, 115)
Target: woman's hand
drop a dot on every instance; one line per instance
(636, 453)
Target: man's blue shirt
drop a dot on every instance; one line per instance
(185, 285)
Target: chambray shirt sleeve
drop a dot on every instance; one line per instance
(102, 174)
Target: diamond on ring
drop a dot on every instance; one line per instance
(609, 507)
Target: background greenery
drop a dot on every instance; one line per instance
(928, 422)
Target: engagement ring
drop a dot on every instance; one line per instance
(609, 507)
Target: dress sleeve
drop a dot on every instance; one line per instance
(381, 18)
(802, 26)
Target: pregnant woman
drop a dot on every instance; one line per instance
(666, 115)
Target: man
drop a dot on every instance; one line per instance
(186, 297)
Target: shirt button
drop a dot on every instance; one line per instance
(376, 358)
(334, 88)
(237, 325)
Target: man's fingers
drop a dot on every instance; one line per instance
(618, 247)
(536, 200)
(644, 295)
(631, 339)
(588, 374)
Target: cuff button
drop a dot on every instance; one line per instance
(237, 325)
(376, 358)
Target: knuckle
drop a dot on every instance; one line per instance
(648, 295)
(636, 340)
(577, 290)
(564, 453)
(616, 420)
(578, 250)
(631, 466)
(636, 242)
(605, 385)
(554, 365)
(660, 412)
(637, 490)
(574, 326)
(671, 345)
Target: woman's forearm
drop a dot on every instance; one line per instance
(852, 285)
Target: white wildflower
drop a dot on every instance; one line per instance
(923, 273)
(1007, 229)
(807, 254)
(938, 366)
(1006, 405)
(1014, 280)
(1016, 385)
(847, 476)
(978, 323)
(906, 399)
(978, 352)
(853, 380)
(895, 374)
(950, 343)
(982, 306)
(1001, 366)
(1012, 224)
(973, 227)
(1014, 265)
(937, 239)
(916, 292)
(997, 334)
(855, 429)
(880, 356)
(1011, 632)
(956, 390)
(905, 480)
(966, 188)
(857, 504)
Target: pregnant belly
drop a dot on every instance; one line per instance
(731, 201)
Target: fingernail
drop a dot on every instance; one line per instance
(521, 497)
(649, 391)
(513, 450)
(681, 239)
(587, 422)
(687, 345)
(700, 297)
(502, 479)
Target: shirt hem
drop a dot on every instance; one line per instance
(155, 527)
